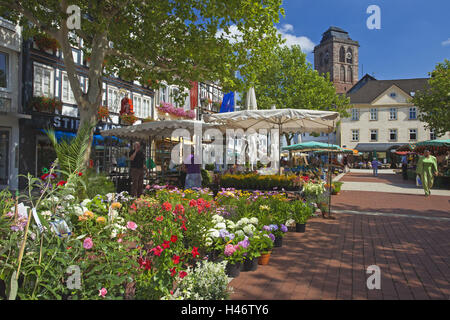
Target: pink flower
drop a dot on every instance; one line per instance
(102, 292)
(119, 240)
(131, 225)
(88, 244)
(229, 250)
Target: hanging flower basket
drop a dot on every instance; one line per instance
(44, 42)
(128, 119)
(168, 112)
(103, 112)
(45, 104)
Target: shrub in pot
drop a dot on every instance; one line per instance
(302, 211)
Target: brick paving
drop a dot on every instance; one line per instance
(330, 259)
(381, 178)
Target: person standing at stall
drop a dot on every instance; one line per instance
(137, 160)
(375, 164)
(427, 169)
(193, 173)
(405, 167)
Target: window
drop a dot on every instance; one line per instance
(355, 114)
(432, 135)
(113, 99)
(393, 134)
(412, 134)
(43, 80)
(392, 113)
(137, 105)
(4, 70)
(342, 54)
(392, 94)
(146, 107)
(374, 135)
(67, 94)
(412, 113)
(163, 94)
(373, 114)
(350, 74)
(355, 135)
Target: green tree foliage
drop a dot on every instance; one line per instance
(149, 41)
(289, 81)
(434, 101)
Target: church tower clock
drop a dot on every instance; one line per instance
(337, 54)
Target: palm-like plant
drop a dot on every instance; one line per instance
(70, 153)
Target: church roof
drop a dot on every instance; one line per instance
(371, 89)
(335, 32)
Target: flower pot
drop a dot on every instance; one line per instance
(250, 265)
(278, 242)
(300, 227)
(214, 256)
(264, 258)
(233, 270)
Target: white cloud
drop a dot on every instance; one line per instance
(446, 42)
(285, 30)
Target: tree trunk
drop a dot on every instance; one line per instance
(88, 115)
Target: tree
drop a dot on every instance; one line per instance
(149, 41)
(291, 82)
(434, 101)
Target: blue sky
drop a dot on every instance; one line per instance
(414, 35)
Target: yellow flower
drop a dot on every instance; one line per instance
(88, 214)
(101, 220)
(116, 205)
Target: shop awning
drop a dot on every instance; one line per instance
(312, 146)
(378, 147)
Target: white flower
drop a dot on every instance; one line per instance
(79, 210)
(208, 241)
(69, 197)
(216, 218)
(46, 213)
(213, 233)
(85, 202)
(53, 198)
(221, 225)
(248, 229)
(114, 233)
(230, 224)
(290, 222)
(254, 220)
(239, 233)
(244, 221)
(113, 214)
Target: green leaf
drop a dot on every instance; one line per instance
(13, 287)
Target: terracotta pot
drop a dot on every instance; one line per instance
(264, 258)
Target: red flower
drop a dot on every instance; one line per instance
(80, 174)
(161, 218)
(157, 251)
(166, 244)
(184, 226)
(173, 238)
(192, 203)
(61, 183)
(133, 206)
(173, 271)
(195, 252)
(179, 209)
(208, 204)
(167, 206)
(146, 264)
(176, 259)
(183, 274)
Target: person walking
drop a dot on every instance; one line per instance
(405, 167)
(375, 163)
(427, 169)
(137, 159)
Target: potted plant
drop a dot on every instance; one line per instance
(336, 187)
(265, 247)
(234, 255)
(302, 211)
(128, 119)
(103, 112)
(252, 252)
(46, 104)
(44, 42)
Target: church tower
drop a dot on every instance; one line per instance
(337, 54)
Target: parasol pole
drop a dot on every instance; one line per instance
(279, 148)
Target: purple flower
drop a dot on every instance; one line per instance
(283, 228)
(271, 236)
(244, 243)
(266, 228)
(273, 227)
(223, 233)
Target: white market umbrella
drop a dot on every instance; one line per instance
(285, 120)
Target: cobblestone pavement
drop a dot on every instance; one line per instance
(330, 259)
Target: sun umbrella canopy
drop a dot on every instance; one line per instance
(313, 146)
(287, 120)
(250, 102)
(434, 143)
(162, 128)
